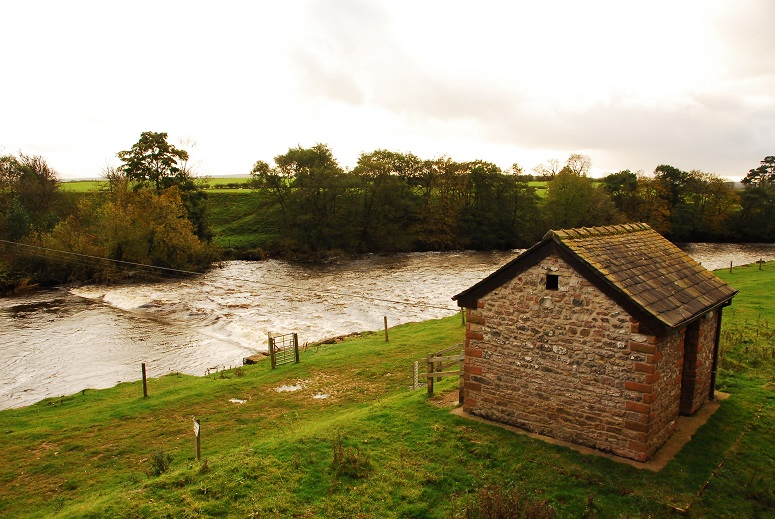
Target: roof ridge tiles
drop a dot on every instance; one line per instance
(597, 231)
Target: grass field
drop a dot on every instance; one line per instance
(372, 447)
(214, 184)
(81, 186)
(236, 221)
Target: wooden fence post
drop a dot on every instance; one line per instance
(272, 352)
(296, 346)
(145, 383)
(386, 330)
(430, 375)
(416, 375)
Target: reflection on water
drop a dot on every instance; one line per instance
(59, 342)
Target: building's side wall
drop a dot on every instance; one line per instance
(653, 404)
(698, 363)
(570, 364)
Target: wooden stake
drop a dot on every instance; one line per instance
(386, 331)
(272, 352)
(430, 375)
(145, 383)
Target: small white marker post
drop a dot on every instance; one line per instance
(197, 436)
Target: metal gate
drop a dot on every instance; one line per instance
(283, 349)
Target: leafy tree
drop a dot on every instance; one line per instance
(443, 199)
(756, 219)
(17, 221)
(500, 210)
(578, 164)
(622, 187)
(136, 226)
(763, 175)
(152, 161)
(653, 207)
(673, 182)
(315, 198)
(574, 201)
(387, 203)
(29, 195)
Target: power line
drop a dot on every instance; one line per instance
(84, 259)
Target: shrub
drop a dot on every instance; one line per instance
(160, 463)
(495, 502)
(348, 461)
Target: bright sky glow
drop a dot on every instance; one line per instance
(689, 83)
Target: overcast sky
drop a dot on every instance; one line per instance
(690, 83)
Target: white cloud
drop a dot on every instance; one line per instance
(634, 85)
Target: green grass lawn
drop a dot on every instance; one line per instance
(399, 453)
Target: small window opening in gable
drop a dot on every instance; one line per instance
(552, 282)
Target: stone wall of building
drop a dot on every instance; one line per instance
(570, 364)
(653, 403)
(698, 362)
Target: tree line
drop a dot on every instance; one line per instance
(153, 210)
(394, 201)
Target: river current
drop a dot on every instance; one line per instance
(58, 342)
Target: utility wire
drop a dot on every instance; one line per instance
(85, 259)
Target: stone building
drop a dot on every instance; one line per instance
(598, 336)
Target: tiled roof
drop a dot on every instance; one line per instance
(633, 264)
(652, 272)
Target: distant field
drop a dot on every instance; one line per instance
(81, 186)
(215, 184)
(226, 184)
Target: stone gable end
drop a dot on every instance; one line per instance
(570, 363)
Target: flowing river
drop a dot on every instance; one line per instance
(58, 342)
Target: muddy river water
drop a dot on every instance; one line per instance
(61, 341)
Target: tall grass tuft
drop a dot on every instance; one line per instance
(160, 463)
(348, 461)
(496, 502)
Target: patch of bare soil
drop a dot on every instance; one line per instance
(447, 399)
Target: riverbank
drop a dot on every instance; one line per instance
(269, 439)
